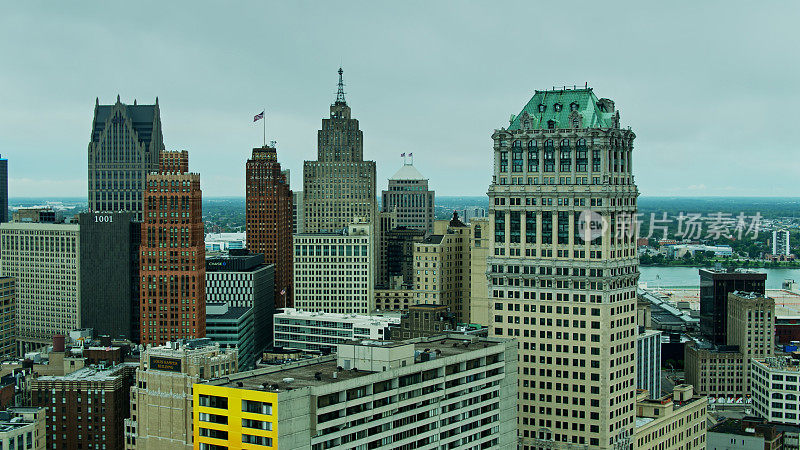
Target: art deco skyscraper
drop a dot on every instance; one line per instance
(339, 186)
(269, 219)
(560, 283)
(125, 145)
(172, 259)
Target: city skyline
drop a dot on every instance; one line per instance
(697, 99)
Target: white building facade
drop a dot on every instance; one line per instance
(648, 362)
(314, 331)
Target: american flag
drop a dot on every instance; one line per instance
(283, 291)
(403, 155)
(258, 116)
(410, 154)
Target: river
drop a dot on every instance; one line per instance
(687, 276)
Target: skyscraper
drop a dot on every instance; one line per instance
(560, 283)
(109, 273)
(125, 144)
(172, 259)
(4, 190)
(715, 286)
(339, 186)
(269, 219)
(409, 196)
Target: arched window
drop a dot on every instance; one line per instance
(576, 123)
(573, 106)
(564, 143)
(517, 144)
(551, 124)
(531, 144)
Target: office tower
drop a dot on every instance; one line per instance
(339, 186)
(321, 332)
(269, 219)
(89, 405)
(8, 347)
(334, 272)
(648, 362)
(23, 427)
(750, 335)
(233, 327)
(558, 282)
(479, 290)
(442, 267)
(44, 260)
(124, 148)
(435, 393)
(242, 280)
(676, 421)
(715, 285)
(409, 196)
(161, 399)
(780, 241)
(4, 190)
(298, 215)
(397, 245)
(172, 259)
(109, 272)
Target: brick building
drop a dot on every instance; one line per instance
(172, 258)
(269, 218)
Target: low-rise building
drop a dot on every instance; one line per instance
(675, 421)
(23, 428)
(454, 393)
(161, 400)
(399, 299)
(424, 320)
(775, 389)
(317, 331)
(749, 433)
(88, 406)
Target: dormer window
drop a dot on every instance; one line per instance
(601, 107)
(573, 106)
(557, 107)
(542, 108)
(551, 124)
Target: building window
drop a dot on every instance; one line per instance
(551, 124)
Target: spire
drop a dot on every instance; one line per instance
(118, 98)
(340, 92)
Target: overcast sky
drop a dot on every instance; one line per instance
(709, 90)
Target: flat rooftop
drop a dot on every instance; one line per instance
(303, 372)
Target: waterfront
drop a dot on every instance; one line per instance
(688, 276)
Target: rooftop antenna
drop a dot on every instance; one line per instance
(340, 91)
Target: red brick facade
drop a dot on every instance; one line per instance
(172, 258)
(269, 219)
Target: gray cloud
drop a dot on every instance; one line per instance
(707, 86)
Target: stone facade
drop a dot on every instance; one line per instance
(563, 270)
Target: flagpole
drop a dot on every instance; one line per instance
(265, 127)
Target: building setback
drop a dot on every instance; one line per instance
(455, 393)
(86, 407)
(161, 399)
(172, 259)
(269, 218)
(339, 186)
(110, 273)
(558, 282)
(44, 260)
(242, 280)
(123, 149)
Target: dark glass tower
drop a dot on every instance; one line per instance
(714, 289)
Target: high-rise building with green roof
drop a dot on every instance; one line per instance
(562, 268)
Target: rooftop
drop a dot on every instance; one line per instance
(89, 374)
(557, 105)
(302, 374)
(408, 172)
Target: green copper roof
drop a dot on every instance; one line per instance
(587, 105)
